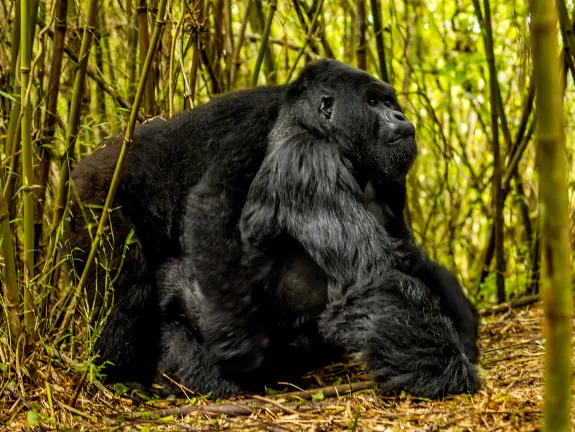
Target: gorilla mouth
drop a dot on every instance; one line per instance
(401, 139)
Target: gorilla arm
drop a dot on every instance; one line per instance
(385, 198)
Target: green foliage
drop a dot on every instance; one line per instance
(271, 392)
(353, 423)
(316, 397)
(120, 389)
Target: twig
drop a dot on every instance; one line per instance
(158, 422)
(10, 387)
(523, 301)
(534, 339)
(282, 407)
(228, 409)
(330, 391)
(83, 414)
(276, 428)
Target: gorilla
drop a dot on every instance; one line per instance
(269, 239)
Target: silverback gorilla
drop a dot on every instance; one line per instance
(270, 240)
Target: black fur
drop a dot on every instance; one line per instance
(281, 259)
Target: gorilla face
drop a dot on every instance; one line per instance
(358, 113)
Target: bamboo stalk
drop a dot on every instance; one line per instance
(16, 112)
(497, 194)
(258, 23)
(264, 42)
(360, 29)
(100, 51)
(229, 35)
(128, 137)
(72, 130)
(378, 30)
(300, 10)
(49, 127)
(27, 166)
(553, 207)
(568, 36)
(239, 43)
(14, 81)
(133, 44)
(196, 56)
(9, 275)
(172, 55)
(328, 51)
(144, 39)
(310, 31)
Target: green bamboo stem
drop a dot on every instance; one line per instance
(310, 32)
(171, 84)
(72, 130)
(133, 44)
(361, 42)
(9, 275)
(49, 127)
(16, 113)
(14, 81)
(553, 207)
(144, 40)
(258, 23)
(128, 137)
(238, 45)
(264, 42)
(568, 36)
(378, 30)
(27, 165)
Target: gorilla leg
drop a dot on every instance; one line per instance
(407, 342)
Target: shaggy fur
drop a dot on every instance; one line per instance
(270, 239)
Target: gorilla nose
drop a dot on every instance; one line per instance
(400, 126)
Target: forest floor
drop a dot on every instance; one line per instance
(510, 400)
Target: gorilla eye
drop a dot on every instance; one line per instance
(372, 101)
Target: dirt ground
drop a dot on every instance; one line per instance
(511, 398)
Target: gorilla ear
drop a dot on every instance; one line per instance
(326, 106)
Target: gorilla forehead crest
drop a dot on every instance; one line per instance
(332, 74)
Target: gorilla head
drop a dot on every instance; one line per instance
(356, 112)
